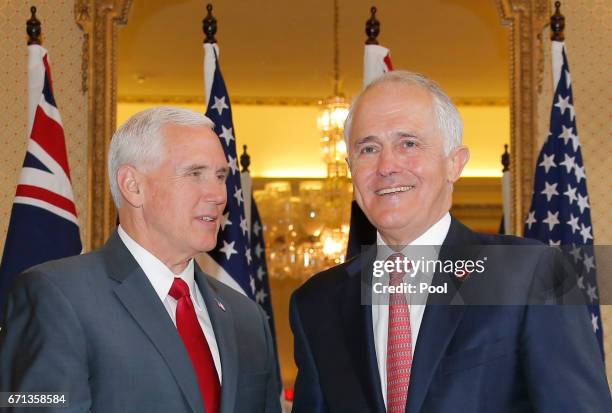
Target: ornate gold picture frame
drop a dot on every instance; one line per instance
(100, 20)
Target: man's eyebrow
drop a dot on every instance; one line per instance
(404, 134)
(193, 168)
(367, 139)
(223, 170)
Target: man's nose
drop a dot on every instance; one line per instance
(387, 162)
(216, 193)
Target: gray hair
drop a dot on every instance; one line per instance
(139, 141)
(447, 116)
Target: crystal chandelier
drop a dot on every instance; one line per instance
(308, 233)
(334, 236)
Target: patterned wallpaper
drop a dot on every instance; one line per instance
(62, 38)
(587, 31)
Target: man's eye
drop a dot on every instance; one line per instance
(368, 149)
(195, 173)
(221, 177)
(409, 144)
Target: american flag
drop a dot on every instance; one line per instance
(239, 259)
(233, 251)
(43, 224)
(560, 211)
(260, 269)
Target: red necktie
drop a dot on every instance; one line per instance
(197, 346)
(399, 345)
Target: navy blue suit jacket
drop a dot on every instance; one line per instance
(468, 358)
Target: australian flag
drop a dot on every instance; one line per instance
(239, 259)
(560, 211)
(43, 224)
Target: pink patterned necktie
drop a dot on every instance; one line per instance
(399, 345)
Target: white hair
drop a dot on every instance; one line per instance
(448, 118)
(140, 143)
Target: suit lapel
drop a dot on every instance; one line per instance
(139, 298)
(440, 320)
(223, 325)
(357, 322)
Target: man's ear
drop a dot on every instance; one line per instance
(457, 159)
(130, 183)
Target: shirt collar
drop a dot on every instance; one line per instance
(156, 271)
(434, 236)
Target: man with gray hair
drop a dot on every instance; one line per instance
(367, 342)
(137, 326)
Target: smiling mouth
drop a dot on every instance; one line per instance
(394, 190)
(206, 218)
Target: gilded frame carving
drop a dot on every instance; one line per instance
(100, 19)
(526, 20)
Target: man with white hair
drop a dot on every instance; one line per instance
(137, 326)
(368, 340)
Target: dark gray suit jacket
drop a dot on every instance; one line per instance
(93, 326)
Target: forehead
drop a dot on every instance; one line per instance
(393, 104)
(192, 143)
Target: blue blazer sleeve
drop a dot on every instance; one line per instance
(43, 346)
(562, 362)
(308, 396)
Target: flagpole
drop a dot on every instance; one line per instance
(372, 28)
(209, 27)
(376, 62)
(506, 184)
(33, 28)
(247, 184)
(239, 259)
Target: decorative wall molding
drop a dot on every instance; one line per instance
(99, 20)
(284, 101)
(526, 20)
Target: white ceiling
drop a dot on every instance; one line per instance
(279, 48)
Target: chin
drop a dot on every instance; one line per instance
(205, 245)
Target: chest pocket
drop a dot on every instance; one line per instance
(477, 356)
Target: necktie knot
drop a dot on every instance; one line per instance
(400, 267)
(179, 289)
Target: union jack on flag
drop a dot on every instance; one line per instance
(43, 224)
(560, 211)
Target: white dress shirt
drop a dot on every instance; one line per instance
(433, 237)
(161, 278)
